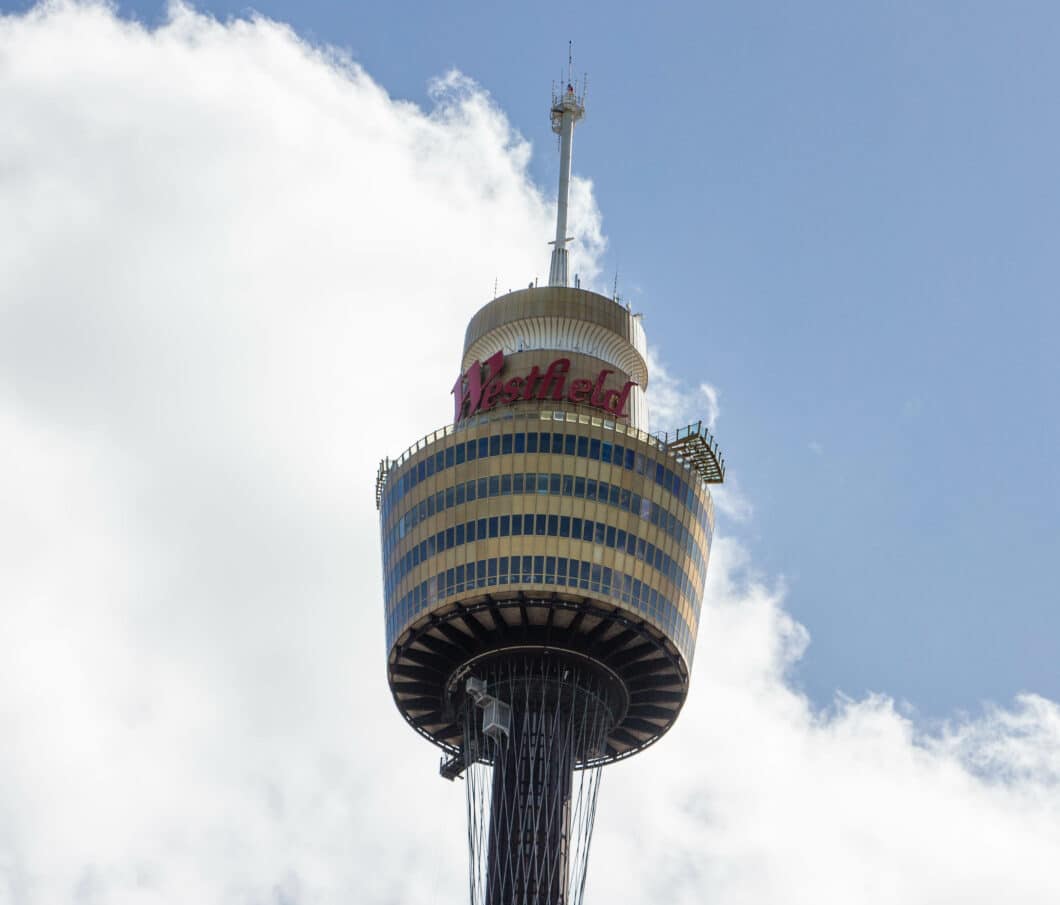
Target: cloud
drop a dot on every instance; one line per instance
(235, 273)
(673, 403)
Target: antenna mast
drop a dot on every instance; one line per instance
(568, 106)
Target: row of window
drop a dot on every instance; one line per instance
(542, 570)
(553, 443)
(519, 525)
(552, 485)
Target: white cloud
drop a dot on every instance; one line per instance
(673, 403)
(235, 273)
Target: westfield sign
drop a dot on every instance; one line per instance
(482, 388)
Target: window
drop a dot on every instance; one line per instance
(520, 443)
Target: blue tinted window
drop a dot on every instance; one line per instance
(594, 449)
(449, 453)
(506, 444)
(564, 526)
(495, 445)
(460, 494)
(553, 484)
(531, 443)
(517, 483)
(494, 485)
(517, 524)
(506, 526)
(605, 452)
(520, 443)
(553, 525)
(506, 484)
(458, 535)
(460, 454)
(583, 447)
(569, 444)
(539, 524)
(483, 447)
(579, 487)
(471, 445)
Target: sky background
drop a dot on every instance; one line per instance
(841, 221)
(846, 219)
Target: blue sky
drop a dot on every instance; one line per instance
(846, 218)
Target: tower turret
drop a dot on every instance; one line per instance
(544, 559)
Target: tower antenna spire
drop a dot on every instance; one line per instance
(568, 106)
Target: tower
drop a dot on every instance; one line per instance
(544, 560)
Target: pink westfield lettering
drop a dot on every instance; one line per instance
(481, 388)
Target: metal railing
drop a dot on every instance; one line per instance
(693, 446)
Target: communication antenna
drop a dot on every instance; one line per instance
(568, 106)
